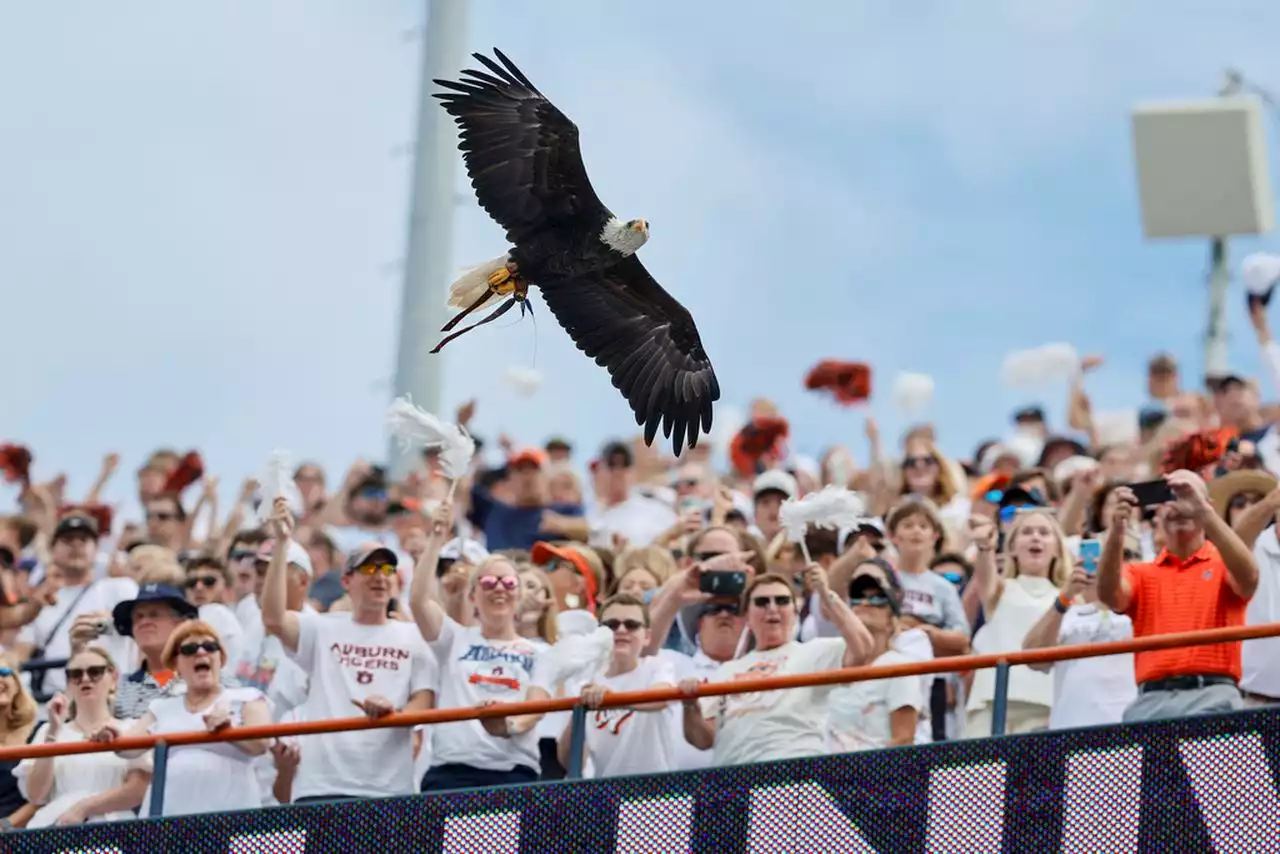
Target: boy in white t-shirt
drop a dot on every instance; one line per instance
(636, 739)
(358, 658)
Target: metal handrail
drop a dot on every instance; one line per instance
(1002, 661)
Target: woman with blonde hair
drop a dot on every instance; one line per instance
(480, 664)
(537, 610)
(1037, 564)
(202, 778)
(17, 721)
(927, 473)
(81, 787)
(640, 571)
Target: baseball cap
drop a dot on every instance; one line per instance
(866, 584)
(467, 551)
(775, 480)
(526, 456)
(558, 443)
(368, 552)
(122, 614)
(1033, 414)
(76, 523)
(296, 556)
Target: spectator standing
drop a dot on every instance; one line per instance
(208, 586)
(529, 515)
(768, 725)
(360, 658)
(1256, 527)
(1203, 578)
(485, 663)
(264, 663)
(636, 739)
(201, 778)
(358, 514)
(80, 599)
(929, 602)
(83, 787)
(17, 723)
(242, 560)
(881, 712)
(621, 509)
(1086, 691)
(1037, 565)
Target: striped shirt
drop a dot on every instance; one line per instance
(136, 691)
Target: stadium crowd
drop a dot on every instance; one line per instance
(379, 595)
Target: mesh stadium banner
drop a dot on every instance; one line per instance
(1203, 784)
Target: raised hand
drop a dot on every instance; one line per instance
(281, 522)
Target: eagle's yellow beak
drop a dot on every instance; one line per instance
(640, 227)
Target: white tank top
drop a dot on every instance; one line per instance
(1022, 604)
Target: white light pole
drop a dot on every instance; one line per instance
(429, 249)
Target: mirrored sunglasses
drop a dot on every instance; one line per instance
(375, 569)
(870, 601)
(491, 582)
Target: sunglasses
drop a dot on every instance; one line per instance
(6, 671)
(202, 581)
(374, 494)
(781, 601)
(161, 517)
(94, 673)
(629, 625)
(702, 557)
(713, 609)
(202, 646)
(918, 462)
(954, 577)
(375, 569)
(870, 601)
(242, 554)
(492, 582)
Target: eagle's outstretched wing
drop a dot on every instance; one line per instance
(626, 322)
(521, 152)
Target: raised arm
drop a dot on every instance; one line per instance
(109, 465)
(858, 643)
(1254, 520)
(424, 593)
(986, 582)
(1076, 505)
(1114, 590)
(276, 616)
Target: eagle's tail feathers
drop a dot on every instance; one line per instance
(475, 283)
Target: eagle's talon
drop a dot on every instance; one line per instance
(498, 279)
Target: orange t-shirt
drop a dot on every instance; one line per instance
(1170, 595)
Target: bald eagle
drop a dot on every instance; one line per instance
(523, 159)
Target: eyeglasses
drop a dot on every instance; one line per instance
(491, 582)
(712, 609)
(629, 625)
(375, 569)
(94, 673)
(781, 601)
(202, 580)
(870, 601)
(161, 517)
(918, 462)
(201, 646)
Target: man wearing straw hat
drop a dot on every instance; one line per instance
(1248, 499)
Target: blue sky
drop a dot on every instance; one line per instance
(204, 208)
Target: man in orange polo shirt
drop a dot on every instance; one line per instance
(1202, 579)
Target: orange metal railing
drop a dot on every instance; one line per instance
(628, 698)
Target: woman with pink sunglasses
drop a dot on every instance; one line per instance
(489, 662)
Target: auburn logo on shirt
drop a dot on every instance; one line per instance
(496, 678)
(612, 720)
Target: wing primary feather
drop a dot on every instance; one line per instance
(497, 69)
(511, 66)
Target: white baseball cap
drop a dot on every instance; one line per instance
(775, 480)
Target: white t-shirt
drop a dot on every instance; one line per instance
(474, 669)
(101, 595)
(768, 725)
(1260, 658)
(352, 661)
(640, 519)
(263, 661)
(858, 713)
(624, 741)
(696, 666)
(1092, 691)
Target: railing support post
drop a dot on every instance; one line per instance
(577, 742)
(1000, 705)
(160, 762)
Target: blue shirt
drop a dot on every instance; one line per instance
(509, 527)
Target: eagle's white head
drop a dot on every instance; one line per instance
(625, 236)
